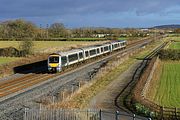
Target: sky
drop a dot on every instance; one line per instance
(93, 13)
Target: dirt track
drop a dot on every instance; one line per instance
(105, 100)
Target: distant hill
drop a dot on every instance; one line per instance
(167, 26)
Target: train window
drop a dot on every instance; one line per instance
(98, 51)
(86, 53)
(73, 57)
(80, 55)
(53, 59)
(92, 52)
(101, 49)
(106, 48)
(63, 60)
(109, 47)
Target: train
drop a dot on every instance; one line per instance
(60, 60)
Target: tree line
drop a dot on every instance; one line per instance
(25, 29)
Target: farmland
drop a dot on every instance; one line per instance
(167, 92)
(4, 60)
(172, 38)
(175, 45)
(49, 46)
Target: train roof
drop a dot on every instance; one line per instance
(69, 52)
(85, 48)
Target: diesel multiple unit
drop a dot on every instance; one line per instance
(60, 60)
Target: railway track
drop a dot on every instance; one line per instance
(11, 86)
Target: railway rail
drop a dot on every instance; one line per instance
(11, 86)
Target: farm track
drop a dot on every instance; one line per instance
(126, 91)
(14, 85)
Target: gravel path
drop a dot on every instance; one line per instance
(105, 100)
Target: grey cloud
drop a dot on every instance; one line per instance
(31, 8)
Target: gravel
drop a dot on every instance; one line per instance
(14, 108)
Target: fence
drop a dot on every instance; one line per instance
(77, 114)
(62, 114)
(160, 112)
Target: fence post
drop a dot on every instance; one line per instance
(117, 113)
(25, 113)
(134, 116)
(176, 112)
(100, 113)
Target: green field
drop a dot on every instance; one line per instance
(172, 38)
(168, 89)
(175, 45)
(49, 46)
(4, 60)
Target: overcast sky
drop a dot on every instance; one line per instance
(93, 13)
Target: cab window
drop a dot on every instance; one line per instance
(53, 59)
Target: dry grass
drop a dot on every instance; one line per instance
(154, 82)
(51, 46)
(105, 76)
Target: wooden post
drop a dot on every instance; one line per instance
(25, 114)
(117, 114)
(176, 113)
(134, 116)
(100, 113)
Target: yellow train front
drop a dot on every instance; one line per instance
(54, 63)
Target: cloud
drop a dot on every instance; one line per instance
(54, 10)
(31, 8)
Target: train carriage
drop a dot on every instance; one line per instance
(57, 61)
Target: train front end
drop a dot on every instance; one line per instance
(54, 63)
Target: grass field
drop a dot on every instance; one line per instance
(175, 45)
(4, 60)
(172, 38)
(49, 46)
(167, 92)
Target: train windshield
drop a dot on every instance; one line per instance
(53, 59)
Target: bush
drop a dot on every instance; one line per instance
(169, 54)
(26, 47)
(141, 109)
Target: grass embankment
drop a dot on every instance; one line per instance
(174, 45)
(147, 50)
(112, 70)
(4, 60)
(166, 87)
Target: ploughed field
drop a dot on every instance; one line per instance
(175, 45)
(167, 92)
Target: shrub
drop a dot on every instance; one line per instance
(169, 54)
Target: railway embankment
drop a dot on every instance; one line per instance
(150, 82)
(23, 65)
